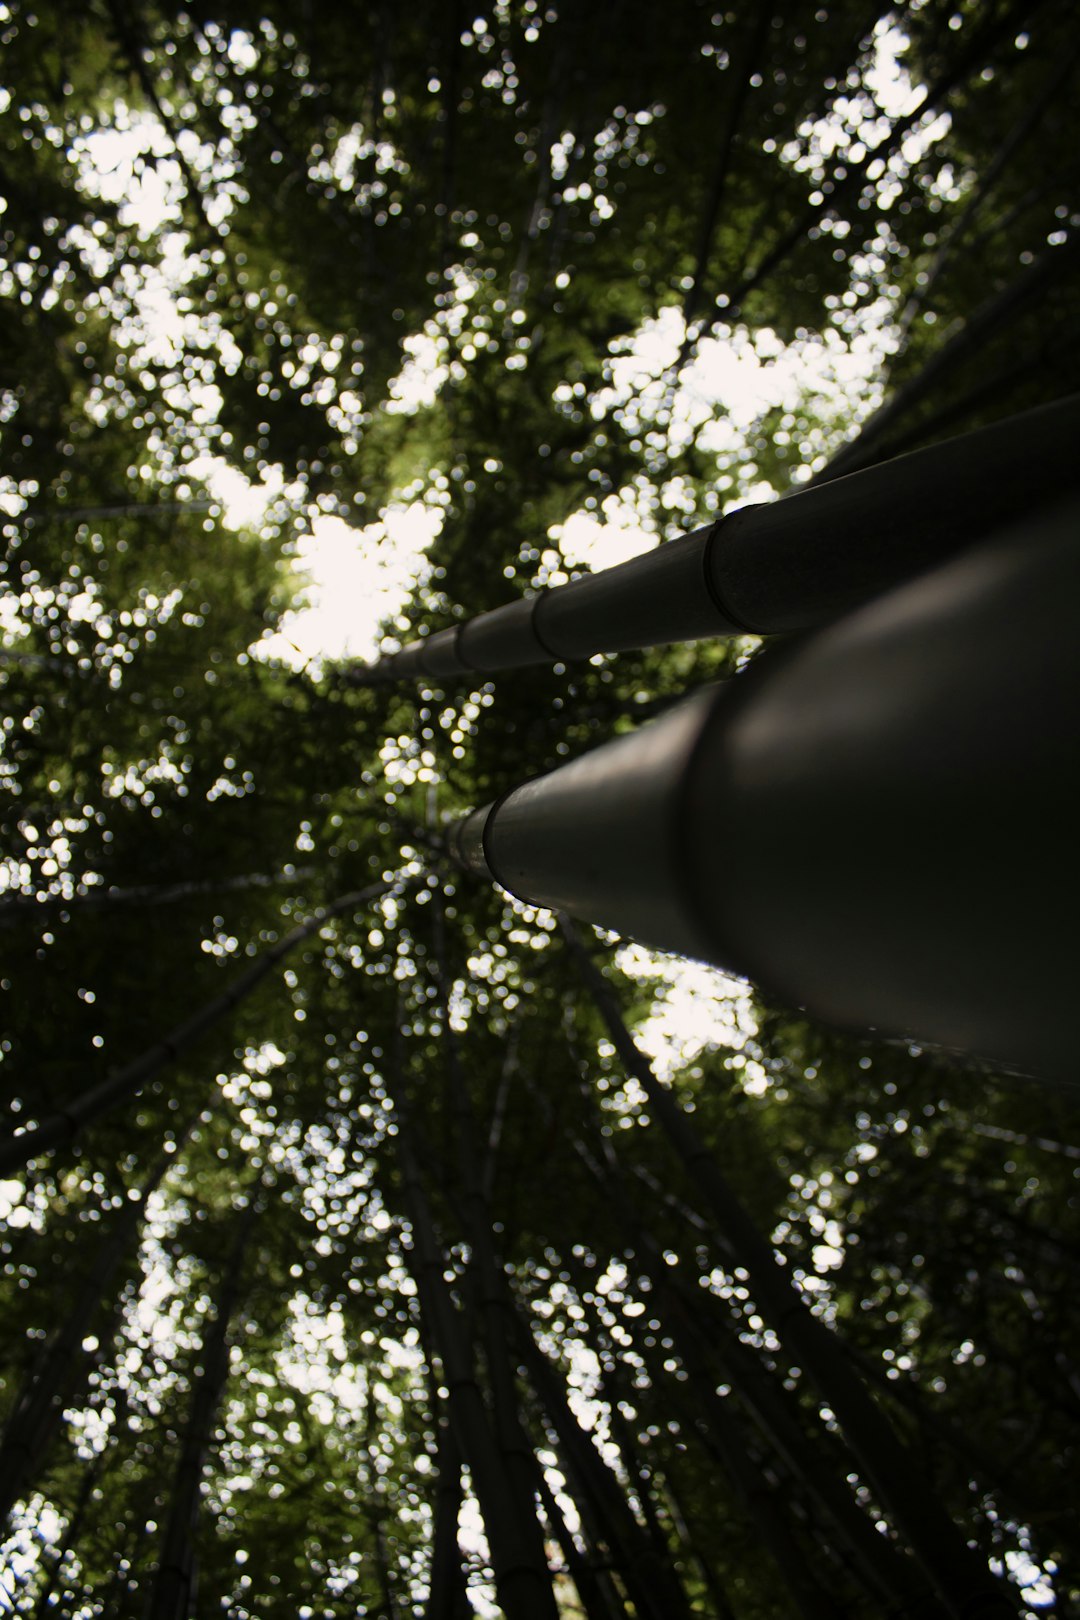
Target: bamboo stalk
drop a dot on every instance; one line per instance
(1029, 120)
(887, 1579)
(447, 1598)
(972, 335)
(959, 1575)
(524, 1588)
(874, 823)
(793, 564)
(652, 1586)
(173, 1591)
(38, 1408)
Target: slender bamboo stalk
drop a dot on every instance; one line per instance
(144, 894)
(792, 564)
(38, 1408)
(71, 517)
(978, 329)
(493, 1301)
(755, 33)
(979, 44)
(651, 1583)
(886, 1577)
(63, 1125)
(717, 1596)
(758, 1494)
(598, 1597)
(172, 1593)
(523, 1472)
(447, 1599)
(523, 1587)
(498, 1113)
(959, 1575)
(91, 1474)
(491, 1298)
(776, 1413)
(638, 1474)
(991, 386)
(1030, 118)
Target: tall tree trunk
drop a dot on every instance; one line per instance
(652, 1586)
(718, 1428)
(375, 1513)
(598, 1597)
(490, 1292)
(787, 565)
(850, 896)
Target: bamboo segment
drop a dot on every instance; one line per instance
(793, 564)
(876, 823)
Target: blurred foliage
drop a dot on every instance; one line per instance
(477, 262)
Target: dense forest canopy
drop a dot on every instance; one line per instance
(363, 1264)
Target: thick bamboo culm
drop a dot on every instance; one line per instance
(794, 564)
(875, 822)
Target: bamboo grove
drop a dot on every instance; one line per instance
(374, 1242)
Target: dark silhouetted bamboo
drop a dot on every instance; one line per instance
(375, 1513)
(447, 1596)
(522, 1579)
(594, 1587)
(775, 1410)
(959, 1575)
(721, 1434)
(1030, 118)
(717, 1596)
(755, 33)
(38, 1409)
(789, 565)
(173, 1590)
(978, 46)
(705, 1352)
(971, 336)
(18, 907)
(488, 1281)
(825, 821)
(651, 1584)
